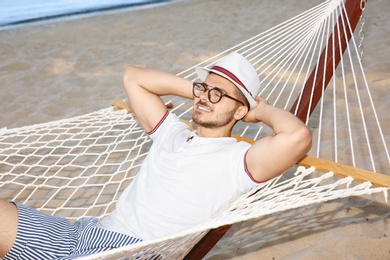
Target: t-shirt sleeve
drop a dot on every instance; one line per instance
(169, 122)
(156, 127)
(244, 179)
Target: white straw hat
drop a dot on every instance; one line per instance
(235, 68)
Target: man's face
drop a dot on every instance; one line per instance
(217, 115)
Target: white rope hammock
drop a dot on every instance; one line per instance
(79, 166)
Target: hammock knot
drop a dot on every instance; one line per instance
(332, 6)
(3, 130)
(302, 170)
(386, 194)
(328, 175)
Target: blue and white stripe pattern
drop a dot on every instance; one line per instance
(42, 236)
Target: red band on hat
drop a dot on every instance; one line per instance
(231, 76)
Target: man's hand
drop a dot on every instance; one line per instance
(254, 115)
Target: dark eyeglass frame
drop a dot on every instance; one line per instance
(210, 89)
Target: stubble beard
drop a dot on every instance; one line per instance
(220, 121)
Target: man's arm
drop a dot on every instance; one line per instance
(144, 88)
(272, 155)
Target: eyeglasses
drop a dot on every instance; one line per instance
(214, 94)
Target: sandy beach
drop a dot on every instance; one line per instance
(66, 68)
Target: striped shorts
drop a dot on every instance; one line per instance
(42, 236)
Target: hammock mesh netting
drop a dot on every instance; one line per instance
(79, 166)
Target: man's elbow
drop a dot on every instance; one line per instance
(128, 76)
(303, 139)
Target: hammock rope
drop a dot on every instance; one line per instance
(278, 195)
(78, 167)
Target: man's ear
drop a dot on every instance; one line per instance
(241, 112)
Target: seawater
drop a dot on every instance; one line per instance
(14, 12)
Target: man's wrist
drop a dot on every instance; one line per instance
(261, 113)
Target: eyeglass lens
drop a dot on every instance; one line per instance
(214, 94)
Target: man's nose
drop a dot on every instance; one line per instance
(204, 95)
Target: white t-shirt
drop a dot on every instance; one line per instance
(184, 180)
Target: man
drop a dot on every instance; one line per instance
(188, 176)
